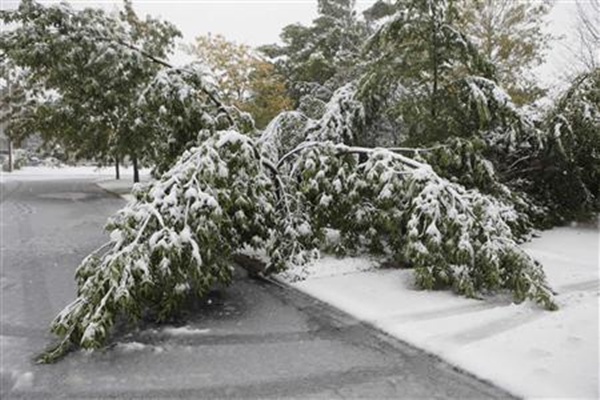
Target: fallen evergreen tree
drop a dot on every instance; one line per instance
(177, 237)
(174, 239)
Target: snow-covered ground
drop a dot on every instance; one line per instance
(122, 186)
(65, 172)
(522, 348)
(104, 177)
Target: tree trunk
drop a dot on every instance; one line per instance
(10, 156)
(136, 172)
(10, 145)
(434, 66)
(117, 169)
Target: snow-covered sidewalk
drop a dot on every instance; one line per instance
(122, 187)
(104, 176)
(56, 173)
(521, 348)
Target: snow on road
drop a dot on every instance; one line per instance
(185, 331)
(522, 348)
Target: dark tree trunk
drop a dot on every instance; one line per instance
(117, 169)
(136, 172)
(434, 46)
(10, 156)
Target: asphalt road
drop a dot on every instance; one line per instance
(251, 340)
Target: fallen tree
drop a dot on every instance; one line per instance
(178, 235)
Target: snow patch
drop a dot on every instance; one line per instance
(328, 266)
(185, 331)
(23, 380)
(231, 137)
(131, 347)
(72, 172)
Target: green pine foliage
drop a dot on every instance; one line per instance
(417, 60)
(392, 204)
(174, 240)
(467, 162)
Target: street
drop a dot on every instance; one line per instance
(251, 340)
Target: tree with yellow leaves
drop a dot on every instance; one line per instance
(511, 35)
(245, 79)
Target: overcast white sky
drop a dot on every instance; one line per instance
(257, 22)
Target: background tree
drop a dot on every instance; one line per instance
(95, 66)
(15, 107)
(511, 35)
(29, 108)
(323, 56)
(268, 94)
(419, 65)
(568, 173)
(244, 79)
(230, 62)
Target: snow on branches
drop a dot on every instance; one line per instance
(174, 107)
(570, 179)
(341, 121)
(440, 210)
(173, 240)
(283, 134)
(176, 237)
(343, 117)
(452, 236)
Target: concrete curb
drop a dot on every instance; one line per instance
(123, 192)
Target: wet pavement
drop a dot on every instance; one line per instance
(253, 339)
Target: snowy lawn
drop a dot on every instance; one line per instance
(67, 172)
(521, 348)
(104, 177)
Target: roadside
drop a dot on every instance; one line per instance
(53, 173)
(521, 348)
(45, 173)
(104, 177)
(122, 187)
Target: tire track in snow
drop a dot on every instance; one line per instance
(443, 313)
(585, 286)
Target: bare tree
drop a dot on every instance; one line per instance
(588, 31)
